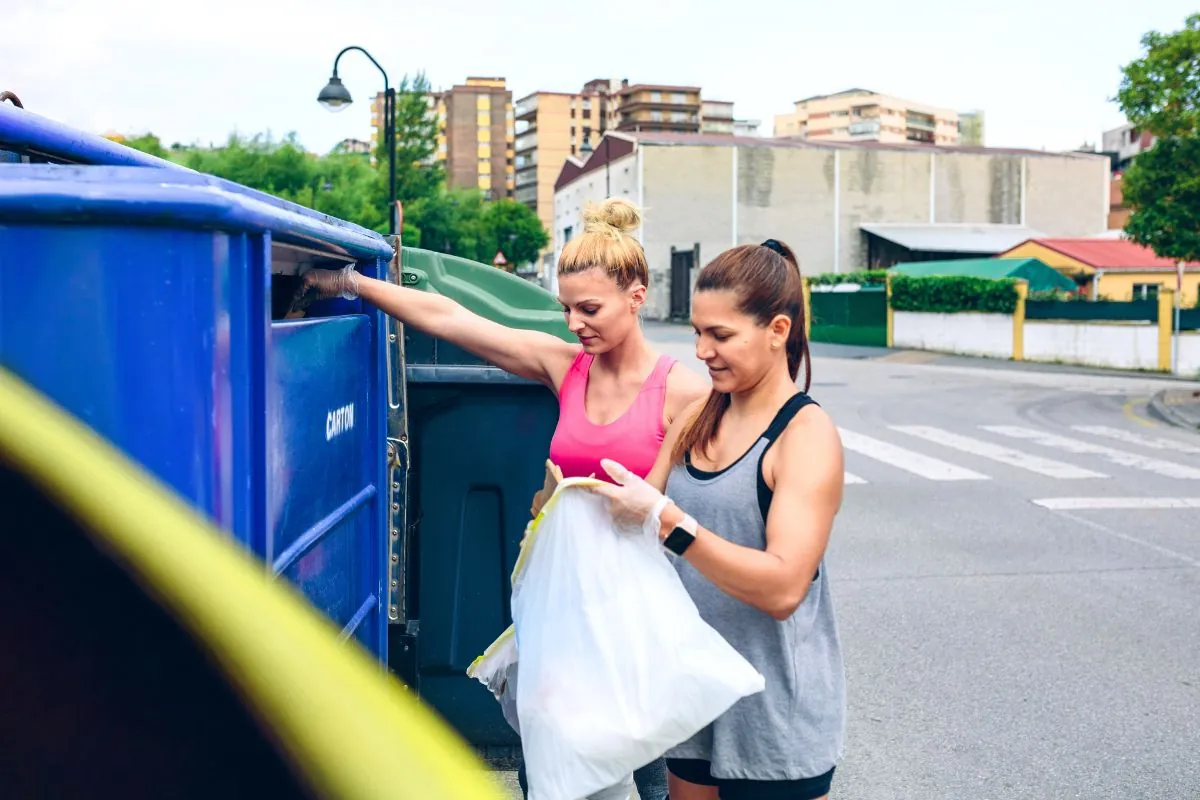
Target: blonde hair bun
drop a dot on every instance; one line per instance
(613, 217)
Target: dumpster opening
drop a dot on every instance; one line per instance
(288, 262)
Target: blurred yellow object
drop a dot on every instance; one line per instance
(340, 724)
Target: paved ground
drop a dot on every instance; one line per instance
(1016, 570)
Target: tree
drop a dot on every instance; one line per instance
(462, 223)
(418, 173)
(148, 143)
(516, 229)
(1160, 93)
(1162, 186)
(449, 222)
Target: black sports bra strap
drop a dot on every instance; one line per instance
(796, 402)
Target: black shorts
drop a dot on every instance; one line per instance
(696, 771)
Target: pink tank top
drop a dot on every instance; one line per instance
(633, 439)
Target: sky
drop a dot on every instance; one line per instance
(1043, 71)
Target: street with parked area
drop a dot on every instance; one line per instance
(1016, 573)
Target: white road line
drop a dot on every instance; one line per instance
(1005, 455)
(907, 460)
(1113, 503)
(1154, 442)
(1120, 457)
(851, 478)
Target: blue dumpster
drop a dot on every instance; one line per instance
(466, 441)
(151, 304)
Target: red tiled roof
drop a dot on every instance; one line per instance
(1111, 254)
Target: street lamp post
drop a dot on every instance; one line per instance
(335, 96)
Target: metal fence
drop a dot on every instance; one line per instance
(1097, 311)
(1189, 319)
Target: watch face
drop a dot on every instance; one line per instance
(678, 541)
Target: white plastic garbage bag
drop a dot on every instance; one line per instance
(616, 665)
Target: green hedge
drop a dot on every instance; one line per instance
(953, 294)
(866, 277)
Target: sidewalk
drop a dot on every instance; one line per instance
(1180, 407)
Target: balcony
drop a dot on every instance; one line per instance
(526, 176)
(864, 128)
(634, 104)
(527, 108)
(527, 142)
(920, 122)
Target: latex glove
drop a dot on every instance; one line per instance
(633, 503)
(553, 477)
(333, 282)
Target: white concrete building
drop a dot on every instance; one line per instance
(841, 206)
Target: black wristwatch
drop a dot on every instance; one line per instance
(681, 538)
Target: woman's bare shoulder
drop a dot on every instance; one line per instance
(685, 388)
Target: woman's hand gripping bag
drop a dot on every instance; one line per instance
(617, 665)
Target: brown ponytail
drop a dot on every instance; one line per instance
(766, 279)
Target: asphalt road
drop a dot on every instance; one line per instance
(1016, 571)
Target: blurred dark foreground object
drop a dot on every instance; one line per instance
(145, 655)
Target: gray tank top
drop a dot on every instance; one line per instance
(795, 727)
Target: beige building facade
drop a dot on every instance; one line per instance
(703, 194)
(474, 135)
(554, 127)
(551, 127)
(865, 116)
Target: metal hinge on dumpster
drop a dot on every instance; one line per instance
(398, 463)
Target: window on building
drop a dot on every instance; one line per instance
(483, 102)
(1145, 291)
(656, 97)
(679, 98)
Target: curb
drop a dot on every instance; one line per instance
(1162, 408)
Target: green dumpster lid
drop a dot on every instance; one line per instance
(486, 290)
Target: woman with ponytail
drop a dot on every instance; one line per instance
(744, 495)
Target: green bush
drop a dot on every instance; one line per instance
(866, 277)
(953, 294)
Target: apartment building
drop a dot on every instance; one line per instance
(970, 128)
(716, 117)
(549, 128)
(860, 115)
(746, 127)
(654, 108)
(552, 127)
(353, 146)
(474, 135)
(1126, 142)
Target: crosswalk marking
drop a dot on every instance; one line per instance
(1154, 442)
(1120, 457)
(1110, 503)
(1005, 455)
(851, 478)
(907, 460)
